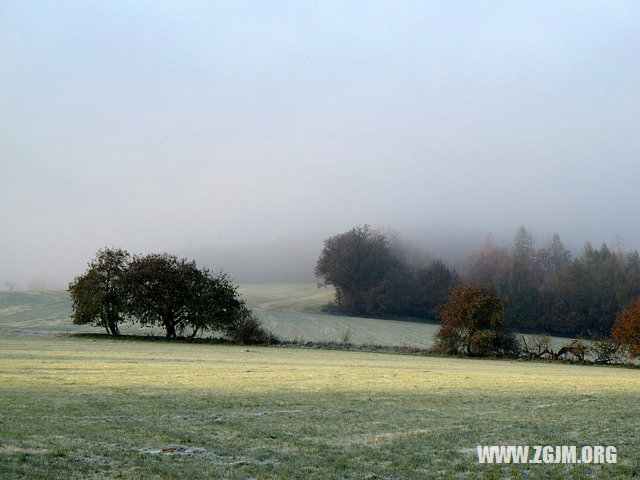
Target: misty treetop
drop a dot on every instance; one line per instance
(549, 290)
(371, 277)
(160, 290)
(433, 284)
(368, 278)
(546, 289)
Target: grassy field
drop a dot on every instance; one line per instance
(82, 408)
(292, 311)
(295, 312)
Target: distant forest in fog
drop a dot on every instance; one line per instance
(547, 289)
(548, 286)
(291, 259)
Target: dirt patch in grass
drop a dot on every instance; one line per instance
(176, 449)
(185, 450)
(376, 439)
(13, 450)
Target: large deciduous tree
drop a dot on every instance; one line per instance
(174, 294)
(98, 296)
(367, 277)
(217, 305)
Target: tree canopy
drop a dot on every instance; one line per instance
(174, 294)
(367, 277)
(548, 290)
(545, 290)
(626, 331)
(434, 283)
(472, 322)
(160, 290)
(98, 296)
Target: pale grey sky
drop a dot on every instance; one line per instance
(215, 128)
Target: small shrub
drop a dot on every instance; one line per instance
(604, 349)
(248, 330)
(448, 341)
(505, 344)
(579, 350)
(499, 343)
(345, 339)
(538, 346)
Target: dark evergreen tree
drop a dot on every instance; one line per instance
(434, 283)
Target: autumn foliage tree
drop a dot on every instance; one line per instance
(626, 332)
(472, 323)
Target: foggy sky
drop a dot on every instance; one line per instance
(244, 133)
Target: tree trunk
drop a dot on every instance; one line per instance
(195, 331)
(115, 331)
(171, 329)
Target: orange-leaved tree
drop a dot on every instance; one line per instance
(472, 323)
(626, 330)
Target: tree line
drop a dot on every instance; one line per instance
(473, 325)
(546, 290)
(160, 290)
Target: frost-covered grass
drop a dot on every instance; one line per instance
(83, 408)
(291, 311)
(35, 312)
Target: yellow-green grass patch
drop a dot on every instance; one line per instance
(84, 408)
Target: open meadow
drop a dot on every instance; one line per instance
(83, 407)
(86, 408)
(291, 311)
